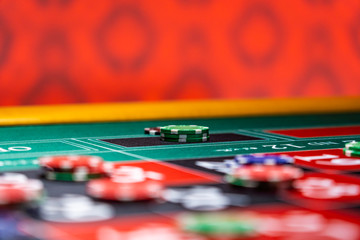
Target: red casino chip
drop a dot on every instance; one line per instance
(152, 130)
(129, 173)
(133, 174)
(17, 188)
(108, 167)
(93, 164)
(122, 190)
(267, 173)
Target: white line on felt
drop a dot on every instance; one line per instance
(106, 143)
(119, 151)
(79, 146)
(37, 154)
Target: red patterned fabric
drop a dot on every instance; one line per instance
(67, 51)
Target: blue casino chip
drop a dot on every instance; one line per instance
(231, 163)
(263, 159)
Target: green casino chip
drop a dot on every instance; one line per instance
(184, 140)
(184, 136)
(184, 129)
(74, 170)
(355, 146)
(351, 153)
(219, 224)
(70, 176)
(260, 176)
(264, 185)
(241, 182)
(233, 180)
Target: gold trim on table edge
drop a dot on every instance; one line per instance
(138, 111)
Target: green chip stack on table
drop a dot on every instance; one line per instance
(72, 168)
(224, 225)
(352, 149)
(77, 176)
(184, 133)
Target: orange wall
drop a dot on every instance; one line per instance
(62, 51)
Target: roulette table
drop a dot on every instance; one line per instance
(323, 203)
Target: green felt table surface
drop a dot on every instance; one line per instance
(20, 146)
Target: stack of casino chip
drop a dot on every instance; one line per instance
(352, 149)
(184, 133)
(71, 208)
(127, 183)
(72, 168)
(258, 159)
(220, 225)
(17, 189)
(264, 171)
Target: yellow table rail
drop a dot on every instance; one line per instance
(106, 112)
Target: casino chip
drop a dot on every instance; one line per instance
(78, 176)
(127, 183)
(351, 153)
(352, 149)
(152, 130)
(223, 225)
(203, 198)
(229, 165)
(75, 168)
(71, 162)
(257, 175)
(184, 133)
(325, 188)
(354, 146)
(263, 159)
(184, 136)
(17, 188)
(131, 173)
(184, 129)
(198, 198)
(72, 208)
(118, 190)
(186, 140)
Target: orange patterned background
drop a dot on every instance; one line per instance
(73, 51)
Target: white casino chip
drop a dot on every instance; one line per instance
(74, 208)
(200, 198)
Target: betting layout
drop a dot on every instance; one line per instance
(272, 194)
